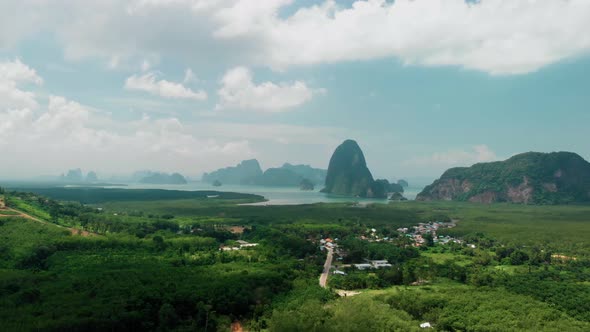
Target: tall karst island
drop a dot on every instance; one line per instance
(528, 178)
(348, 174)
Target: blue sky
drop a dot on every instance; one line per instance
(193, 85)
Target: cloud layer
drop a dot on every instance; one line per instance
(493, 36)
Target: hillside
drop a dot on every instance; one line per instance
(528, 178)
(278, 177)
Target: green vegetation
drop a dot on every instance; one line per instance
(99, 195)
(534, 178)
(154, 260)
(8, 213)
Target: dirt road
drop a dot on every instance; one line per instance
(327, 265)
(21, 214)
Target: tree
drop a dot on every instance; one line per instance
(167, 316)
(159, 242)
(518, 257)
(429, 240)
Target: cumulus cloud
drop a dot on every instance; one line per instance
(14, 74)
(149, 83)
(61, 133)
(189, 76)
(65, 134)
(454, 158)
(493, 36)
(239, 91)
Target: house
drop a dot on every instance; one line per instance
(2, 204)
(380, 263)
(363, 266)
(426, 325)
(244, 244)
(237, 229)
(223, 248)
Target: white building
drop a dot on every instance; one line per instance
(426, 325)
(363, 266)
(244, 244)
(380, 263)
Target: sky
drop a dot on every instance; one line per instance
(193, 85)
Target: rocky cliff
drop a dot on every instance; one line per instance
(348, 173)
(528, 178)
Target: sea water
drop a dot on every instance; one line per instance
(277, 195)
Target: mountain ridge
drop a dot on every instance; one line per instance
(526, 178)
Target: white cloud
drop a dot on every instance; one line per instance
(12, 75)
(62, 134)
(17, 71)
(493, 36)
(82, 137)
(454, 158)
(148, 83)
(239, 91)
(145, 65)
(14, 120)
(189, 76)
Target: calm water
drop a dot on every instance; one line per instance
(276, 195)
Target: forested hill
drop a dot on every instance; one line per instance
(529, 178)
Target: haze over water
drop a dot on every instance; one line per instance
(277, 195)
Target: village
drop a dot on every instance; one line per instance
(417, 235)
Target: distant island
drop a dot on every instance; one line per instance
(349, 175)
(77, 176)
(528, 178)
(306, 185)
(243, 173)
(249, 172)
(163, 178)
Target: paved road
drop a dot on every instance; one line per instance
(327, 265)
